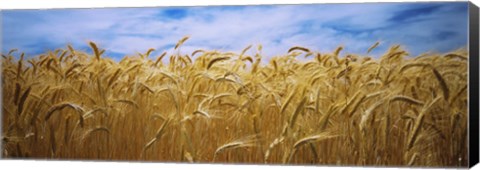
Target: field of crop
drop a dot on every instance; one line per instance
(304, 107)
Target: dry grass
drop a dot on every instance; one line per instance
(220, 107)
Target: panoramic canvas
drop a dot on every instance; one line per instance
(360, 84)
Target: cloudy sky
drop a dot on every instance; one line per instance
(419, 27)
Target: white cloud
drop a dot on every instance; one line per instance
(277, 28)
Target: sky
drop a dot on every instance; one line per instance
(418, 27)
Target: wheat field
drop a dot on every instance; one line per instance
(304, 107)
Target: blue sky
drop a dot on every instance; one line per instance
(419, 27)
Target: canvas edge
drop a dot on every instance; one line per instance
(473, 84)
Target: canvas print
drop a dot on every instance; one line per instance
(359, 84)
